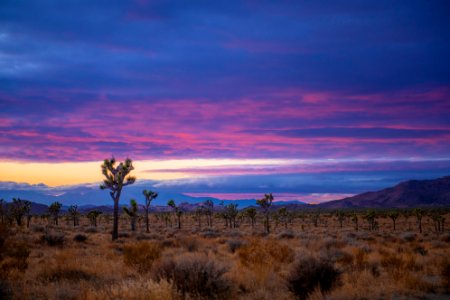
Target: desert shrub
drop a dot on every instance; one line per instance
(53, 238)
(408, 236)
(64, 273)
(445, 275)
(137, 289)
(446, 238)
(90, 229)
(210, 233)
(234, 245)
(195, 275)
(262, 252)
(124, 235)
(37, 228)
(287, 234)
(15, 256)
(141, 255)
(80, 238)
(420, 250)
(168, 243)
(189, 243)
(393, 263)
(360, 257)
(308, 273)
(5, 290)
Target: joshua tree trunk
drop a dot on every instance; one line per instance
(147, 220)
(133, 224)
(115, 233)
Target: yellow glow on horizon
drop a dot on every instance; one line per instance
(65, 173)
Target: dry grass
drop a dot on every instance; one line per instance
(79, 263)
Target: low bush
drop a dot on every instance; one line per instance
(80, 238)
(53, 238)
(263, 252)
(234, 245)
(195, 275)
(141, 255)
(308, 274)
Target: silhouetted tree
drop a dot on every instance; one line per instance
(149, 196)
(54, 210)
(3, 210)
(92, 216)
(393, 214)
(265, 204)
(418, 212)
(74, 214)
(341, 217)
(19, 208)
(177, 211)
(355, 220)
(209, 210)
(251, 214)
(231, 213)
(115, 179)
(370, 216)
(132, 213)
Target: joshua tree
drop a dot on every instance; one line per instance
(418, 212)
(315, 218)
(93, 215)
(355, 220)
(116, 179)
(199, 211)
(132, 213)
(19, 208)
(2, 210)
(341, 217)
(149, 196)
(283, 216)
(177, 211)
(209, 209)
(371, 216)
(54, 210)
(393, 214)
(251, 213)
(265, 203)
(438, 219)
(231, 213)
(74, 214)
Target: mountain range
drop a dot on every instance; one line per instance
(412, 193)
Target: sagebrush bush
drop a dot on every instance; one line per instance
(308, 273)
(195, 275)
(141, 255)
(263, 252)
(234, 245)
(445, 275)
(53, 238)
(80, 238)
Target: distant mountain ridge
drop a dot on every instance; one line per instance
(412, 193)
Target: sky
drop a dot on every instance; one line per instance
(340, 95)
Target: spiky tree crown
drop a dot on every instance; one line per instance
(116, 177)
(132, 211)
(149, 196)
(265, 202)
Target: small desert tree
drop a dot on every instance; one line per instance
(251, 214)
(132, 213)
(371, 216)
(177, 211)
(418, 212)
(341, 217)
(393, 215)
(115, 179)
(209, 210)
(265, 204)
(3, 210)
(231, 213)
(54, 209)
(355, 220)
(92, 216)
(283, 214)
(74, 214)
(149, 196)
(18, 209)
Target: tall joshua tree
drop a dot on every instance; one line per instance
(149, 196)
(265, 203)
(54, 210)
(419, 213)
(132, 213)
(19, 208)
(73, 212)
(393, 214)
(2, 210)
(209, 210)
(177, 210)
(92, 216)
(116, 179)
(251, 214)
